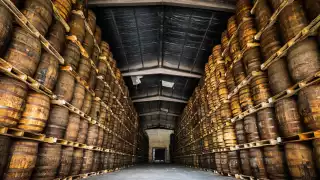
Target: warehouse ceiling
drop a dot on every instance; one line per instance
(161, 50)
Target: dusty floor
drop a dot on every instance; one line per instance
(160, 172)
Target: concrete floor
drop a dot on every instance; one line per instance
(160, 172)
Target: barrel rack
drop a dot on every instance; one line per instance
(309, 30)
(13, 72)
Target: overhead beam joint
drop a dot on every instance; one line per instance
(159, 98)
(164, 71)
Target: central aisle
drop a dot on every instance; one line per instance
(160, 172)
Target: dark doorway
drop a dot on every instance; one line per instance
(160, 154)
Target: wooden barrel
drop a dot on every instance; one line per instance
(86, 107)
(36, 112)
(224, 162)
(231, 26)
(84, 68)
(251, 60)
(225, 111)
(12, 99)
(308, 51)
(24, 51)
(312, 8)
(251, 128)
(220, 140)
(88, 43)
(96, 161)
(234, 162)
(99, 90)
(93, 79)
(92, 20)
(267, 124)
(5, 143)
(92, 137)
(83, 131)
(78, 96)
(245, 162)
(56, 36)
(97, 34)
(57, 122)
(309, 106)
(71, 55)
(231, 85)
(87, 162)
(217, 157)
(95, 109)
(105, 140)
(103, 115)
(274, 159)
(245, 99)
(103, 67)
(243, 8)
(100, 137)
(246, 34)
(292, 18)
(47, 71)
(105, 160)
(77, 27)
(240, 132)
(77, 159)
(65, 162)
(39, 14)
(278, 75)
(229, 136)
(22, 160)
(5, 28)
(101, 165)
(107, 96)
(65, 86)
(73, 127)
(257, 163)
(105, 50)
(64, 8)
(316, 145)
(260, 89)
(95, 55)
(235, 105)
(262, 14)
(222, 90)
(238, 72)
(47, 162)
(288, 117)
(270, 42)
(300, 161)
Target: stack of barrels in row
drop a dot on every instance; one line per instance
(33, 111)
(143, 147)
(290, 116)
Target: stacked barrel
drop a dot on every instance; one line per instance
(142, 147)
(82, 105)
(238, 88)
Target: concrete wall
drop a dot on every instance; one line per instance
(159, 138)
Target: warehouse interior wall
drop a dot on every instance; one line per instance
(159, 138)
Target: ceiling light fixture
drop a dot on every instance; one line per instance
(167, 84)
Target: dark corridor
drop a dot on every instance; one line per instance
(159, 154)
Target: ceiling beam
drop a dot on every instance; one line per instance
(205, 4)
(161, 71)
(158, 98)
(157, 113)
